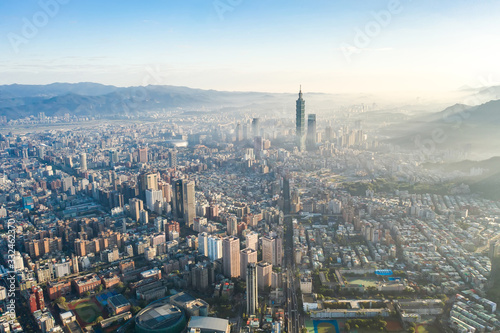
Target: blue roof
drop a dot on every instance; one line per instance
(383, 272)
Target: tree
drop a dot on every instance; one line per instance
(99, 319)
(347, 327)
(61, 300)
(135, 309)
(143, 303)
(99, 288)
(304, 330)
(86, 294)
(411, 330)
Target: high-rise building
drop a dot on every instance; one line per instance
(158, 223)
(252, 292)
(113, 157)
(200, 277)
(148, 181)
(167, 192)
(178, 202)
(272, 250)
(232, 225)
(143, 217)
(189, 204)
(203, 243)
(136, 205)
(214, 247)
(152, 196)
(329, 134)
(300, 119)
(83, 161)
(255, 127)
(246, 256)
(264, 274)
(19, 262)
(172, 158)
(143, 155)
(41, 152)
(231, 256)
(239, 133)
(252, 240)
(311, 132)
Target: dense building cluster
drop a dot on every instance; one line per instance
(182, 222)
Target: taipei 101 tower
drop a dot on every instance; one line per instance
(300, 120)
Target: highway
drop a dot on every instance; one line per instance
(294, 319)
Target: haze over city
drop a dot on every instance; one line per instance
(244, 166)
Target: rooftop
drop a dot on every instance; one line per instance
(160, 315)
(209, 324)
(118, 300)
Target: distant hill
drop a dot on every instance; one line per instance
(463, 127)
(91, 99)
(54, 89)
(487, 184)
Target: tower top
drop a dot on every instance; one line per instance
(300, 92)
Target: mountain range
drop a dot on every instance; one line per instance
(458, 127)
(92, 99)
(487, 183)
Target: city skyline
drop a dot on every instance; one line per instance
(160, 174)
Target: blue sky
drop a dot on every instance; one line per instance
(258, 45)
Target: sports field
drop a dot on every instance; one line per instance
(323, 326)
(367, 282)
(86, 311)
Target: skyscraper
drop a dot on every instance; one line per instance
(272, 250)
(329, 134)
(264, 273)
(246, 256)
(214, 247)
(83, 161)
(252, 240)
(231, 256)
(311, 132)
(203, 243)
(147, 181)
(300, 120)
(172, 158)
(252, 293)
(152, 196)
(143, 155)
(136, 205)
(113, 157)
(232, 225)
(167, 192)
(189, 204)
(255, 127)
(238, 133)
(178, 202)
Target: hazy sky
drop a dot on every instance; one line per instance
(259, 45)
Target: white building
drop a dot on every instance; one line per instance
(252, 240)
(214, 247)
(152, 196)
(62, 269)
